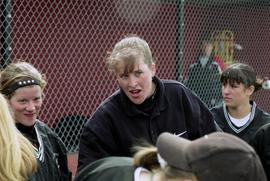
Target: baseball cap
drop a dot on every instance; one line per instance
(218, 156)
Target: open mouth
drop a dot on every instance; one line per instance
(135, 93)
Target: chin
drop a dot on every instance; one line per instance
(231, 105)
(137, 102)
(29, 123)
(228, 102)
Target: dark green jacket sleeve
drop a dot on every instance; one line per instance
(107, 169)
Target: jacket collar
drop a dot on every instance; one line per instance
(251, 118)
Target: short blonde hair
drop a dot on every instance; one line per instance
(126, 51)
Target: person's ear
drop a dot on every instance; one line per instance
(250, 90)
(153, 69)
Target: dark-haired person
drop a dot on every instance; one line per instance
(239, 114)
(218, 156)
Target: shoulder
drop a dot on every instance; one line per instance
(262, 112)
(42, 127)
(217, 109)
(265, 129)
(110, 162)
(173, 84)
(218, 112)
(174, 88)
(177, 93)
(110, 103)
(45, 130)
(112, 100)
(48, 134)
(109, 167)
(262, 134)
(264, 116)
(115, 162)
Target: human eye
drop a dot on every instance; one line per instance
(235, 85)
(124, 76)
(22, 101)
(138, 73)
(37, 99)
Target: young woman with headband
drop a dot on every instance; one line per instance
(23, 85)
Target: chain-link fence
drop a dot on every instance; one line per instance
(68, 41)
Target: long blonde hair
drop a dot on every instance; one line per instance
(17, 157)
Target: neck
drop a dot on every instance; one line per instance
(240, 112)
(22, 127)
(153, 89)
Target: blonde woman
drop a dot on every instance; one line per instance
(22, 85)
(16, 150)
(143, 107)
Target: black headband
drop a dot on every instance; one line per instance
(18, 84)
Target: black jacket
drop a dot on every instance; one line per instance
(117, 124)
(205, 82)
(261, 143)
(52, 154)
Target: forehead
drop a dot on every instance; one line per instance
(232, 80)
(28, 91)
(128, 64)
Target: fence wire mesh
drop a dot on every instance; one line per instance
(68, 41)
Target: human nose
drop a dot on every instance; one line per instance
(226, 89)
(132, 81)
(31, 106)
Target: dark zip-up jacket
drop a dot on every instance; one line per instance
(118, 124)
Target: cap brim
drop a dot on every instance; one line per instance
(173, 150)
